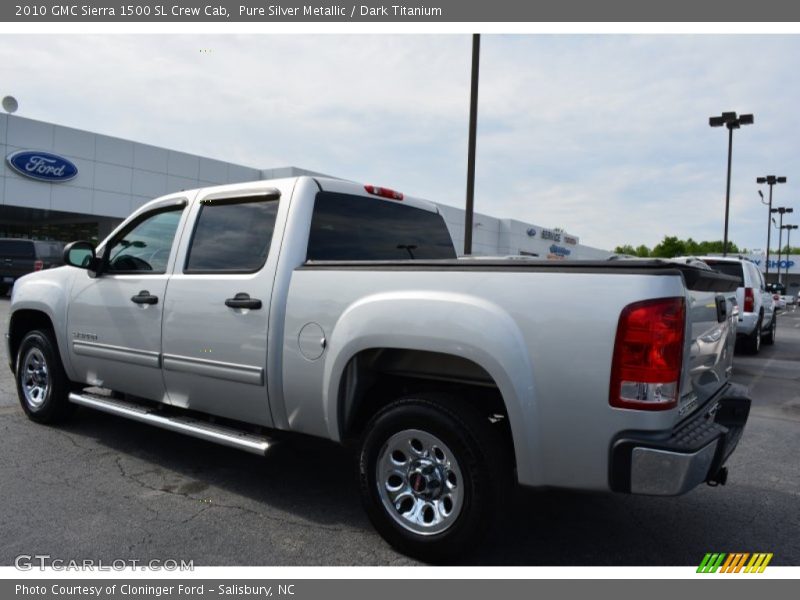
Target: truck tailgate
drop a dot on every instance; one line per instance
(711, 336)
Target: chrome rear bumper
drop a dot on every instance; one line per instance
(673, 462)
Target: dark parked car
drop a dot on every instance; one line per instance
(19, 257)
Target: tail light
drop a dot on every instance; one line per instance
(383, 192)
(749, 300)
(648, 355)
(38, 265)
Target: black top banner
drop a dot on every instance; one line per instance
(409, 11)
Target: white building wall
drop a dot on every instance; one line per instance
(500, 237)
(116, 176)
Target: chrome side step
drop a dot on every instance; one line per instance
(220, 434)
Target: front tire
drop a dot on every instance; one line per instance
(42, 385)
(434, 471)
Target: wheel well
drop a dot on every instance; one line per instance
(23, 321)
(374, 378)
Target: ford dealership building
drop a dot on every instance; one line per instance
(60, 183)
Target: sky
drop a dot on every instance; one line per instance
(606, 136)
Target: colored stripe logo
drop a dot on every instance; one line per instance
(734, 562)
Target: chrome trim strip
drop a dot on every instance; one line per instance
(213, 368)
(225, 436)
(142, 358)
(664, 473)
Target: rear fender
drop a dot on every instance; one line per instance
(448, 323)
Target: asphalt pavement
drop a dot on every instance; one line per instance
(105, 488)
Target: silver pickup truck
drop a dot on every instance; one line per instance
(247, 313)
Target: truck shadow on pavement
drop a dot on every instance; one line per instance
(314, 482)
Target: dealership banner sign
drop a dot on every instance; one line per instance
(443, 11)
(792, 263)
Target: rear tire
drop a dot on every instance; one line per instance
(752, 343)
(769, 337)
(42, 385)
(434, 473)
(4, 289)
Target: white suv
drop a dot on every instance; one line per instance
(757, 317)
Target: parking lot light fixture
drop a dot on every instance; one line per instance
(731, 121)
(781, 210)
(770, 180)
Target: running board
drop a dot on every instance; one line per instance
(226, 436)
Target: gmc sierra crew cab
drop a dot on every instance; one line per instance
(246, 313)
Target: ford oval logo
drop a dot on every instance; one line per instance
(43, 166)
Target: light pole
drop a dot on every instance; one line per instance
(770, 180)
(781, 210)
(731, 121)
(788, 229)
(473, 132)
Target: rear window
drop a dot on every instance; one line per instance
(347, 227)
(777, 288)
(50, 249)
(17, 249)
(733, 269)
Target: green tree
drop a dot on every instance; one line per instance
(669, 247)
(626, 249)
(643, 251)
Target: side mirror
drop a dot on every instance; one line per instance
(81, 255)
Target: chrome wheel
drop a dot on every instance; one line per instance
(419, 482)
(34, 378)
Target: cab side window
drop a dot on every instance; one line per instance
(232, 235)
(144, 248)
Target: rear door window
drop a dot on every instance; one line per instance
(232, 236)
(348, 227)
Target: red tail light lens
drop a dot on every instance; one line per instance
(383, 192)
(38, 265)
(749, 300)
(648, 355)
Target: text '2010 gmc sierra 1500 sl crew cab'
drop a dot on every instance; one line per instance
(242, 313)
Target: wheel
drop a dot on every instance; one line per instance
(42, 384)
(433, 473)
(752, 343)
(769, 337)
(4, 289)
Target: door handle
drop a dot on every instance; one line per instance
(243, 300)
(144, 297)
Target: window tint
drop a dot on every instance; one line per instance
(145, 247)
(232, 237)
(734, 269)
(16, 249)
(346, 227)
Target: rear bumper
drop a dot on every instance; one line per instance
(747, 324)
(673, 462)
